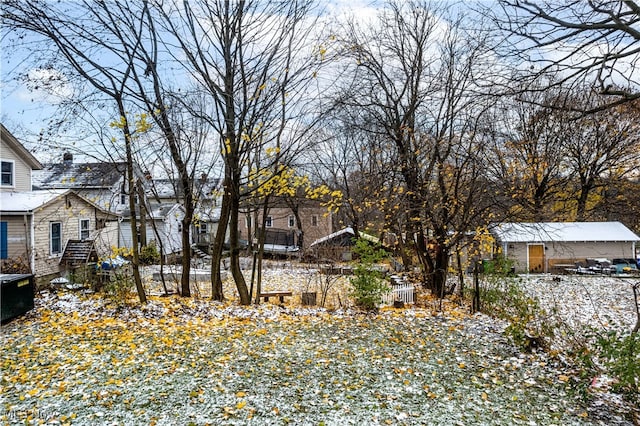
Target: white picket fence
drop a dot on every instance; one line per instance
(401, 292)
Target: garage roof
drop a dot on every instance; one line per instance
(563, 231)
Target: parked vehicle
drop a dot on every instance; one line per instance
(599, 266)
(623, 266)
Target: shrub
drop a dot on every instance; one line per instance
(528, 327)
(149, 254)
(120, 286)
(368, 285)
(619, 355)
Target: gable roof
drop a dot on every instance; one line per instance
(563, 232)
(344, 235)
(30, 201)
(15, 145)
(158, 211)
(78, 175)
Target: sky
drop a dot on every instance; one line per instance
(26, 105)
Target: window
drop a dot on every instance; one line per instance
(202, 229)
(7, 173)
(268, 223)
(55, 237)
(4, 241)
(84, 229)
(314, 220)
(292, 221)
(124, 199)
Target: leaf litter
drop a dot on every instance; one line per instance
(78, 360)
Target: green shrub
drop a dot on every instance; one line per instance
(368, 284)
(619, 356)
(149, 255)
(500, 266)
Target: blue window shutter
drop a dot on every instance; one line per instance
(4, 241)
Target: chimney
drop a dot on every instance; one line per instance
(67, 159)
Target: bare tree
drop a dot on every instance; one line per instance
(601, 149)
(418, 77)
(90, 46)
(529, 154)
(588, 42)
(242, 54)
(391, 82)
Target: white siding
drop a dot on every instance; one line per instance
(21, 171)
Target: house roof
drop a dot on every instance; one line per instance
(170, 188)
(29, 201)
(346, 231)
(349, 232)
(158, 211)
(79, 175)
(14, 144)
(563, 232)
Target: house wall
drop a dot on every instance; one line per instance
(107, 239)
(322, 226)
(569, 252)
(168, 231)
(18, 241)
(68, 210)
(21, 170)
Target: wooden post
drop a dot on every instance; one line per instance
(476, 292)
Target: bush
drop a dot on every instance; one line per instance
(120, 286)
(528, 327)
(500, 266)
(149, 255)
(368, 285)
(619, 355)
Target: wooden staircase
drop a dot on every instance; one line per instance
(79, 252)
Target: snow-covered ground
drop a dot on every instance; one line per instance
(601, 302)
(77, 359)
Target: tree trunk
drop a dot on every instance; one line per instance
(131, 188)
(236, 272)
(217, 247)
(441, 264)
(460, 275)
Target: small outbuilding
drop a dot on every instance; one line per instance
(547, 246)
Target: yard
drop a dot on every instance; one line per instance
(77, 359)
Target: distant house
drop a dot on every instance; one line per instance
(102, 183)
(282, 228)
(37, 226)
(17, 162)
(163, 228)
(208, 198)
(338, 245)
(541, 247)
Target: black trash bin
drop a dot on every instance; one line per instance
(16, 294)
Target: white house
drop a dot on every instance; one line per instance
(163, 227)
(539, 247)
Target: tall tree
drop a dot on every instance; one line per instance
(602, 148)
(90, 45)
(243, 54)
(529, 161)
(418, 75)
